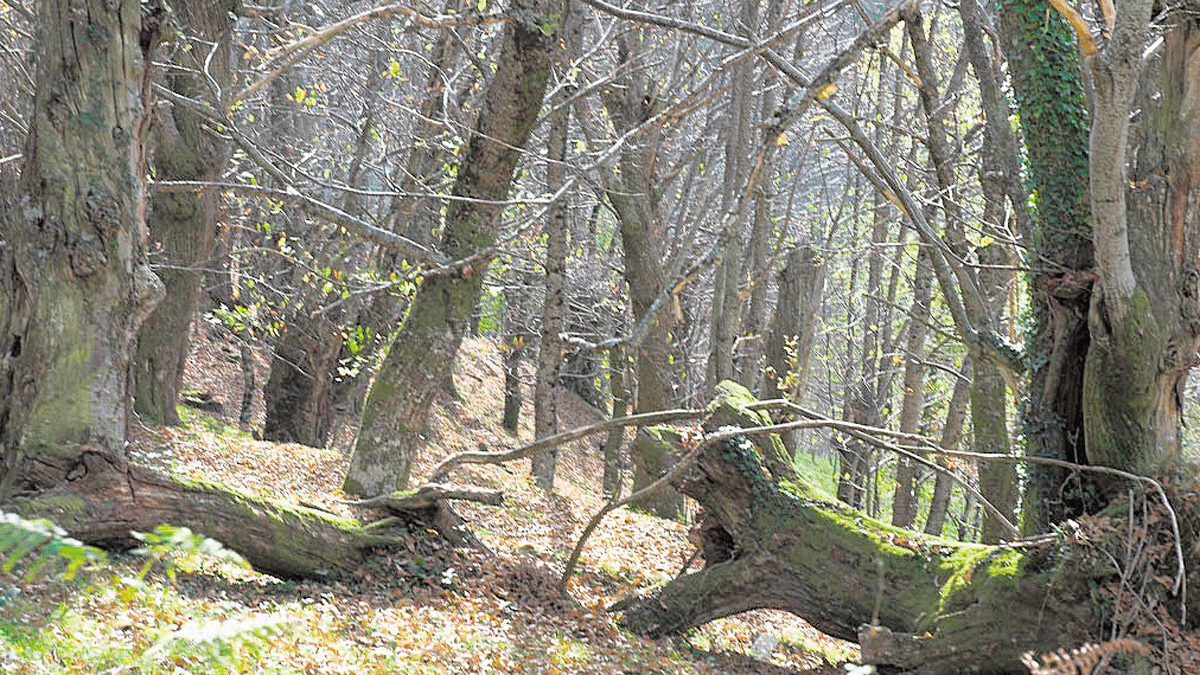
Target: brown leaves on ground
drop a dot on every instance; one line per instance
(426, 607)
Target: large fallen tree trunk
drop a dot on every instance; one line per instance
(919, 603)
(106, 499)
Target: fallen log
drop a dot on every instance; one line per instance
(923, 604)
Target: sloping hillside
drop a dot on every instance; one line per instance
(427, 608)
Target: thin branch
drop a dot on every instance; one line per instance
(447, 465)
(429, 494)
(295, 52)
(317, 209)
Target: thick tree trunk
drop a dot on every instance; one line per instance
(421, 355)
(75, 285)
(183, 225)
(1144, 343)
(976, 608)
(300, 392)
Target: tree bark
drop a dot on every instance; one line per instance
(416, 365)
(300, 391)
(183, 225)
(976, 608)
(1144, 339)
(75, 285)
(952, 433)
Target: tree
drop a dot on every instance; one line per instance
(390, 431)
(183, 225)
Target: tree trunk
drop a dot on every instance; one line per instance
(554, 308)
(1043, 64)
(976, 608)
(421, 355)
(75, 285)
(952, 433)
(513, 352)
(794, 328)
(183, 225)
(904, 500)
(108, 498)
(618, 366)
(1144, 340)
(300, 391)
(632, 195)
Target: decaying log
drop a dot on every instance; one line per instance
(107, 498)
(925, 604)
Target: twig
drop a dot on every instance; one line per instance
(478, 457)
(429, 494)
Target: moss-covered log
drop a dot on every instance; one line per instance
(105, 499)
(921, 603)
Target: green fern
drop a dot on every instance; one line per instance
(43, 542)
(168, 543)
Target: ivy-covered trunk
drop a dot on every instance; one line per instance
(1044, 70)
(422, 353)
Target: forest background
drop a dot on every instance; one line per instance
(939, 238)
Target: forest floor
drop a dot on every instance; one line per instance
(426, 608)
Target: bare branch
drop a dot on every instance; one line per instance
(428, 495)
(482, 457)
(317, 209)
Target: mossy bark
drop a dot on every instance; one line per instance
(107, 499)
(422, 353)
(922, 603)
(183, 225)
(75, 278)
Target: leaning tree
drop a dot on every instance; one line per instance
(75, 285)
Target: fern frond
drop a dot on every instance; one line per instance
(44, 543)
(1081, 660)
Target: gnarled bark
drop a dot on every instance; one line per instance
(935, 606)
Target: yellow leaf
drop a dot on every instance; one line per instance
(782, 138)
(826, 91)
